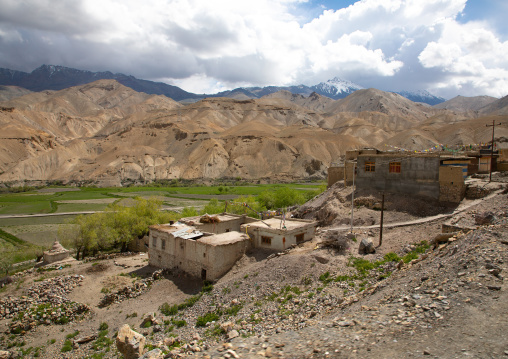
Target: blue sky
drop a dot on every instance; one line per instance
(447, 47)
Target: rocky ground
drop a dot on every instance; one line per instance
(414, 297)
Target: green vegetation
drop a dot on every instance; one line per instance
(208, 317)
(127, 212)
(116, 227)
(67, 347)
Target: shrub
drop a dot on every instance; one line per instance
(167, 309)
(67, 347)
(208, 317)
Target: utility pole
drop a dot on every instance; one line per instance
(492, 147)
(381, 222)
(353, 196)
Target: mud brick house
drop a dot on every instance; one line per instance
(276, 234)
(208, 246)
(218, 223)
(204, 255)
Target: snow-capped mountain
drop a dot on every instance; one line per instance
(422, 96)
(336, 88)
(51, 77)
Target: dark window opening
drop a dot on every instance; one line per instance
(394, 167)
(203, 274)
(300, 238)
(266, 240)
(370, 166)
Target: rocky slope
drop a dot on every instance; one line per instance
(444, 297)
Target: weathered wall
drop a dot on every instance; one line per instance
(281, 239)
(233, 223)
(451, 184)
(348, 173)
(139, 244)
(502, 166)
(419, 175)
(335, 174)
(193, 256)
(55, 257)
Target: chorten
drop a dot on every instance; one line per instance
(56, 253)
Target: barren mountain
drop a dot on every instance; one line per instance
(313, 102)
(9, 92)
(499, 107)
(462, 104)
(110, 134)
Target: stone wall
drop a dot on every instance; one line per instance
(335, 174)
(451, 184)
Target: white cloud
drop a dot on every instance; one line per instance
(215, 44)
(471, 56)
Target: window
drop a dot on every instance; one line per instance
(300, 238)
(370, 166)
(163, 243)
(394, 167)
(154, 242)
(266, 240)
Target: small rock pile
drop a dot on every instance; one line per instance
(51, 290)
(45, 303)
(132, 291)
(104, 256)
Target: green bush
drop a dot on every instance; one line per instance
(167, 309)
(208, 317)
(67, 347)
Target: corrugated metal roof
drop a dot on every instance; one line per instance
(188, 233)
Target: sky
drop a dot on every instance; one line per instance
(447, 47)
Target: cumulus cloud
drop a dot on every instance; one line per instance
(212, 45)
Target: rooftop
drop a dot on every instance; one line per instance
(224, 238)
(277, 223)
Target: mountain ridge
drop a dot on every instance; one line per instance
(54, 77)
(110, 134)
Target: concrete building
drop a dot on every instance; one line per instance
(437, 175)
(201, 254)
(278, 235)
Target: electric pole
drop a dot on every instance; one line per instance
(492, 147)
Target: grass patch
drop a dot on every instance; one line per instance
(208, 317)
(67, 346)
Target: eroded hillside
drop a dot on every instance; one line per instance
(106, 133)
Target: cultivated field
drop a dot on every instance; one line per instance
(30, 221)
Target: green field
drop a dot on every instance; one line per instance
(34, 233)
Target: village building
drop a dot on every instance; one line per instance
(434, 174)
(208, 246)
(218, 223)
(55, 254)
(200, 254)
(279, 234)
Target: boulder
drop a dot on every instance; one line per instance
(366, 246)
(4, 354)
(129, 342)
(484, 218)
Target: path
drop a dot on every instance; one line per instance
(459, 209)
